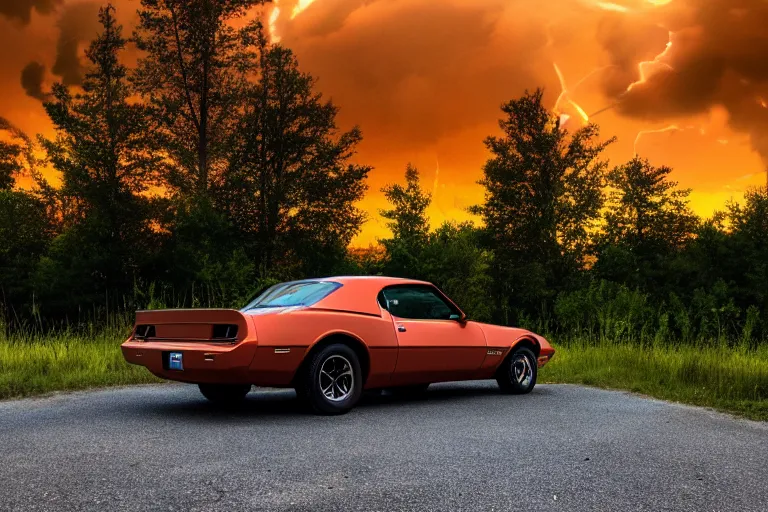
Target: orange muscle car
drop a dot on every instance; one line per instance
(332, 338)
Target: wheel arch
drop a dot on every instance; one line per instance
(345, 338)
(527, 341)
(524, 341)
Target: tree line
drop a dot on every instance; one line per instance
(212, 169)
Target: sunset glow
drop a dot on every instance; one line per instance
(424, 80)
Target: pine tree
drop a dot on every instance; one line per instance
(647, 222)
(15, 153)
(24, 227)
(194, 75)
(543, 196)
(291, 190)
(646, 210)
(103, 150)
(408, 221)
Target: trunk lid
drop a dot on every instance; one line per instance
(190, 325)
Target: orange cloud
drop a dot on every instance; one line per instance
(424, 79)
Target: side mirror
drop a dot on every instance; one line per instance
(462, 318)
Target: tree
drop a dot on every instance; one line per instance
(749, 249)
(193, 75)
(647, 221)
(646, 210)
(543, 197)
(407, 219)
(454, 260)
(9, 164)
(15, 153)
(290, 190)
(24, 227)
(103, 150)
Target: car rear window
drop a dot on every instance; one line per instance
(300, 293)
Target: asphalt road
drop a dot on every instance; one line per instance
(463, 446)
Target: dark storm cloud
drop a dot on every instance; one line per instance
(719, 56)
(78, 25)
(21, 10)
(32, 80)
(629, 41)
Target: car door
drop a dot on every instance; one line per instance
(434, 344)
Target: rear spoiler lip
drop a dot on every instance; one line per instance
(184, 340)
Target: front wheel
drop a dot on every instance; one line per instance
(517, 374)
(332, 381)
(225, 394)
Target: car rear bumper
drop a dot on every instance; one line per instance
(202, 362)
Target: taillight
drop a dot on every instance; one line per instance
(224, 332)
(144, 332)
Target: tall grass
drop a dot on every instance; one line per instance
(66, 361)
(728, 375)
(731, 379)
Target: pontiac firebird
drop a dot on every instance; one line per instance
(332, 338)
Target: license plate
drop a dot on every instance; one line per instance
(174, 361)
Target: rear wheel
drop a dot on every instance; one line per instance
(517, 375)
(225, 394)
(332, 380)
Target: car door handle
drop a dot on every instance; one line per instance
(401, 328)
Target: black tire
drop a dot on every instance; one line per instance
(336, 366)
(517, 374)
(410, 391)
(225, 394)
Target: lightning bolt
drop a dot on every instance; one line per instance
(273, 17)
(565, 95)
(655, 63)
(300, 7)
(610, 6)
(667, 129)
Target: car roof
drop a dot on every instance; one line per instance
(359, 293)
(381, 280)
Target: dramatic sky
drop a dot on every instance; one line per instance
(681, 82)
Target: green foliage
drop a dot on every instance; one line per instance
(24, 234)
(605, 311)
(103, 151)
(290, 190)
(453, 259)
(646, 221)
(733, 380)
(407, 219)
(543, 197)
(16, 153)
(193, 75)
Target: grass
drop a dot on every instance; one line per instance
(733, 380)
(729, 379)
(66, 362)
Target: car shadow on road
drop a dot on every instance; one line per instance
(284, 403)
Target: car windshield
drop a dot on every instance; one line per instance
(302, 293)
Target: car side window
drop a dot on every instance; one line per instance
(416, 302)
